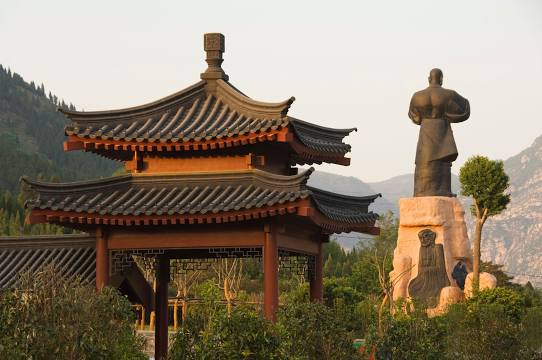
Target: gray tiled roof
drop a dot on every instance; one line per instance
(201, 113)
(171, 194)
(74, 254)
(344, 208)
(195, 193)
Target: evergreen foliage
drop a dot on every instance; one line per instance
(48, 316)
(313, 331)
(13, 215)
(486, 181)
(510, 302)
(31, 137)
(243, 334)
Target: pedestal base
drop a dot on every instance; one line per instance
(443, 215)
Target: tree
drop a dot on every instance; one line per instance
(486, 181)
(183, 280)
(229, 273)
(49, 316)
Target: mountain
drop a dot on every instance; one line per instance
(349, 185)
(402, 186)
(513, 238)
(31, 137)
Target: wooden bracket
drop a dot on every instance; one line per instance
(136, 164)
(70, 145)
(253, 160)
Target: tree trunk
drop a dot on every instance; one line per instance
(184, 306)
(227, 295)
(381, 315)
(175, 319)
(476, 257)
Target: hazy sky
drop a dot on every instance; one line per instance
(348, 63)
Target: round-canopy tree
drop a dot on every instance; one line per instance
(486, 181)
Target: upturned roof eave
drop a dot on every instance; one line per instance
(139, 110)
(221, 89)
(270, 195)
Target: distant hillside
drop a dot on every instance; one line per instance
(402, 186)
(349, 185)
(31, 137)
(513, 238)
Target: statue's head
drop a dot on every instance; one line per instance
(427, 237)
(435, 77)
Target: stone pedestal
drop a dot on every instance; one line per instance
(443, 215)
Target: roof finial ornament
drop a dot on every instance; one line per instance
(214, 46)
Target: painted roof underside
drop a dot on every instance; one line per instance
(202, 113)
(195, 194)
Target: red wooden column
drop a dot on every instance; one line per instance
(270, 274)
(102, 260)
(317, 278)
(161, 303)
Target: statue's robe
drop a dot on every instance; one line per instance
(431, 276)
(434, 108)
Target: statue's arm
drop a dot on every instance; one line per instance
(458, 109)
(414, 114)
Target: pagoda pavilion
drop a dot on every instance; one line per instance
(211, 174)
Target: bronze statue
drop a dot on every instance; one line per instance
(434, 108)
(432, 275)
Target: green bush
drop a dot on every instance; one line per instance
(483, 332)
(298, 294)
(409, 336)
(511, 302)
(532, 329)
(312, 331)
(241, 335)
(50, 317)
(365, 314)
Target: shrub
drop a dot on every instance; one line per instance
(50, 317)
(511, 302)
(409, 336)
(241, 335)
(485, 331)
(366, 314)
(532, 329)
(494, 319)
(312, 331)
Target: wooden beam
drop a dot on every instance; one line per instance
(161, 303)
(270, 274)
(102, 259)
(192, 236)
(203, 144)
(73, 145)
